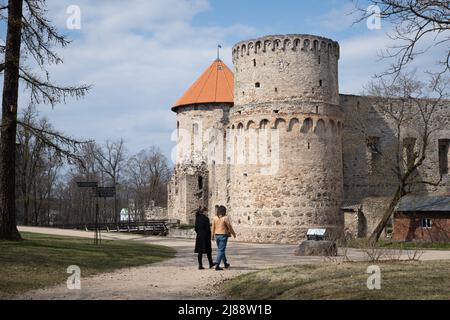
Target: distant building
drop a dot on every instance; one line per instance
(423, 218)
(125, 216)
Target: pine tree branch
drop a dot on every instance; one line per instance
(46, 92)
(63, 146)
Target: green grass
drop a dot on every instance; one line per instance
(42, 260)
(389, 244)
(399, 280)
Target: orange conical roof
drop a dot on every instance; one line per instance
(214, 85)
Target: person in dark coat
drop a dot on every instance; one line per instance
(203, 240)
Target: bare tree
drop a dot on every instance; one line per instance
(111, 159)
(413, 21)
(27, 27)
(411, 110)
(147, 176)
(37, 166)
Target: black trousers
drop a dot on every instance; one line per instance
(200, 259)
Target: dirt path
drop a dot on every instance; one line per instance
(179, 278)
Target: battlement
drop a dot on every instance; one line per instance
(294, 42)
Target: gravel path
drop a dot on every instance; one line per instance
(178, 278)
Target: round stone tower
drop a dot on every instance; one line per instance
(199, 177)
(287, 173)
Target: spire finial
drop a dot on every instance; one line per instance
(218, 51)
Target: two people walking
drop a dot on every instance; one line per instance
(221, 231)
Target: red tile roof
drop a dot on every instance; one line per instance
(215, 85)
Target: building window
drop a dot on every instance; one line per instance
(257, 85)
(320, 83)
(319, 59)
(254, 62)
(426, 223)
(409, 155)
(200, 183)
(373, 153)
(195, 129)
(444, 150)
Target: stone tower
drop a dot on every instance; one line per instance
(286, 126)
(202, 112)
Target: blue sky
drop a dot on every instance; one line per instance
(141, 55)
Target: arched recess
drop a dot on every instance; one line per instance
(280, 124)
(240, 144)
(320, 128)
(251, 143)
(257, 46)
(306, 44)
(264, 124)
(307, 125)
(286, 43)
(276, 44)
(316, 45)
(267, 44)
(294, 124)
(250, 48)
(333, 129)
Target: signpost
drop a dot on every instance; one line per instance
(87, 184)
(106, 192)
(98, 192)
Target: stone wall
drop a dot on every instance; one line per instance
(156, 213)
(293, 67)
(295, 180)
(365, 176)
(200, 175)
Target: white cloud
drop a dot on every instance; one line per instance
(337, 18)
(361, 58)
(140, 56)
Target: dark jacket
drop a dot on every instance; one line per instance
(203, 229)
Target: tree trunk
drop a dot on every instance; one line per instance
(375, 236)
(8, 227)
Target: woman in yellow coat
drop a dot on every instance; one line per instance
(221, 231)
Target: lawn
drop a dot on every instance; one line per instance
(389, 244)
(399, 280)
(42, 260)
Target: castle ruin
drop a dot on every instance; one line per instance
(270, 142)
